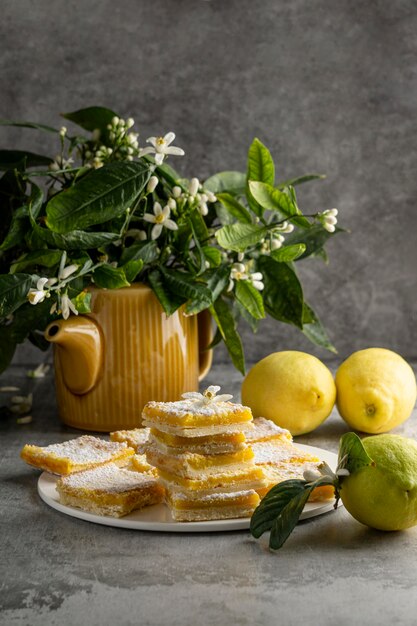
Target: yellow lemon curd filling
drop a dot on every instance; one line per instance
(249, 499)
(176, 441)
(188, 463)
(209, 482)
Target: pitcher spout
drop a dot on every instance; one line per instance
(79, 350)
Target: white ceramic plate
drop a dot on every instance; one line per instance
(158, 517)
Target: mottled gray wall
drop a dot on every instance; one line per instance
(328, 86)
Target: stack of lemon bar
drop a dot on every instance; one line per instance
(199, 447)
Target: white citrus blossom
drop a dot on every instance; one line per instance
(329, 220)
(277, 242)
(256, 280)
(160, 147)
(39, 294)
(285, 227)
(311, 475)
(67, 271)
(60, 163)
(161, 219)
(238, 272)
(67, 306)
(208, 396)
(193, 187)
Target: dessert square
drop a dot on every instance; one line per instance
(76, 455)
(212, 507)
(191, 465)
(109, 490)
(266, 430)
(137, 438)
(209, 444)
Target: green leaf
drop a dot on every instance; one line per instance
(147, 251)
(82, 302)
(352, 454)
(50, 129)
(91, 117)
(260, 168)
(108, 277)
(238, 237)
(314, 239)
(283, 294)
(230, 182)
(218, 281)
(199, 226)
(300, 180)
(10, 159)
(234, 207)
(44, 258)
(13, 291)
(132, 269)
(198, 295)
(272, 505)
(103, 194)
(288, 518)
(273, 199)
(260, 163)
(170, 302)
(227, 326)
(314, 330)
(212, 255)
(250, 298)
(288, 253)
(243, 312)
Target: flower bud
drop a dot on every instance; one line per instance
(193, 187)
(63, 131)
(115, 120)
(176, 191)
(172, 204)
(151, 186)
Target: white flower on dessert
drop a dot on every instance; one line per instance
(67, 307)
(161, 147)
(256, 280)
(329, 220)
(238, 272)
(152, 183)
(39, 294)
(161, 219)
(208, 396)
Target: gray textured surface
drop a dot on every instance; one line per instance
(56, 570)
(328, 86)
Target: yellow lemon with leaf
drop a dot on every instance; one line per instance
(293, 389)
(376, 390)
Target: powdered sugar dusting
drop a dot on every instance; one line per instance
(85, 449)
(184, 408)
(269, 453)
(107, 478)
(266, 429)
(212, 498)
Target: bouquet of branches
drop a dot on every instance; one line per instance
(106, 212)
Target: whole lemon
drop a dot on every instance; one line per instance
(293, 389)
(384, 496)
(376, 390)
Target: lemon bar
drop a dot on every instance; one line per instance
(191, 465)
(76, 455)
(137, 438)
(212, 507)
(275, 474)
(190, 419)
(272, 453)
(139, 463)
(210, 444)
(267, 430)
(251, 478)
(109, 490)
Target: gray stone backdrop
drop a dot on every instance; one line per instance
(328, 86)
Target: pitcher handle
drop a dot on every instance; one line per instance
(205, 336)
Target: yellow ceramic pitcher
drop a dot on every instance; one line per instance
(109, 363)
